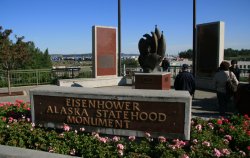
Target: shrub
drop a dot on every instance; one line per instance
(223, 137)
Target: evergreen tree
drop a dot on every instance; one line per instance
(186, 54)
(229, 54)
(46, 59)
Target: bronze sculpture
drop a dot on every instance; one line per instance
(152, 50)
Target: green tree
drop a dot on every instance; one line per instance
(38, 59)
(130, 62)
(30, 64)
(46, 59)
(243, 54)
(186, 54)
(12, 55)
(229, 54)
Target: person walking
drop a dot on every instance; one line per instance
(220, 80)
(235, 69)
(185, 80)
(165, 64)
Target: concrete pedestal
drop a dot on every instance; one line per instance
(157, 80)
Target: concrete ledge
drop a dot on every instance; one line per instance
(152, 73)
(92, 82)
(15, 152)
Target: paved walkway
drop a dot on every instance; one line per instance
(204, 103)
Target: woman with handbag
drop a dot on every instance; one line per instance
(220, 81)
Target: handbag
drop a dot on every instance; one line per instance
(231, 86)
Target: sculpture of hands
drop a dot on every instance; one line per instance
(152, 50)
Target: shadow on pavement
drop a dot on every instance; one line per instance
(16, 93)
(205, 107)
(208, 108)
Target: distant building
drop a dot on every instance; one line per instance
(244, 64)
(74, 57)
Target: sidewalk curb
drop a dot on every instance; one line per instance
(16, 152)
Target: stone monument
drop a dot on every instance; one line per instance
(114, 111)
(118, 111)
(104, 61)
(104, 51)
(210, 52)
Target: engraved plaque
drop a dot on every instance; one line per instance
(147, 80)
(165, 117)
(153, 81)
(105, 61)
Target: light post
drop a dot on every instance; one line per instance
(194, 38)
(119, 37)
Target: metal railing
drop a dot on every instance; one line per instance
(26, 77)
(174, 70)
(39, 76)
(48, 76)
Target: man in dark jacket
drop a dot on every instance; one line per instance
(165, 64)
(185, 80)
(234, 68)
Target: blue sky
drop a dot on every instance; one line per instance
(65, 26)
